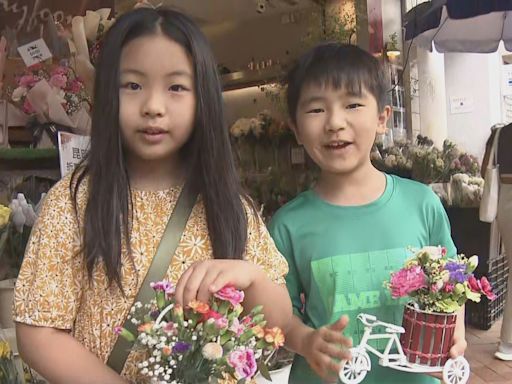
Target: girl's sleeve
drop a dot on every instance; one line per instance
(48, 287)
(261, 249)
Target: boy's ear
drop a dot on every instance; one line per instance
(293, 127)
(383, 119)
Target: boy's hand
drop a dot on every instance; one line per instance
(204, 278)
(324, 346)
(458, 348)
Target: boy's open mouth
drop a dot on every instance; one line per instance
(337, 145)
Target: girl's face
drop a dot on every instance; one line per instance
(157, 101)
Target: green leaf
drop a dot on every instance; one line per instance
(264, 371)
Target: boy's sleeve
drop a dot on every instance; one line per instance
(281, 237)
(48, 287)
(439, 227)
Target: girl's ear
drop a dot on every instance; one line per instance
(383, 119)
(293, 127)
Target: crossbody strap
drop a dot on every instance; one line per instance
(157, 270)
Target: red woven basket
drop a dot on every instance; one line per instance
(428, 336)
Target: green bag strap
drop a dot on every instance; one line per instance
(157, 270)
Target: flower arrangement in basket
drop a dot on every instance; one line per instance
(203, 342)
(438, 287)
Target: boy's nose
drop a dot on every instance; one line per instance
(336, 122)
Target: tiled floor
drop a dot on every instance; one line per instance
(485, 369)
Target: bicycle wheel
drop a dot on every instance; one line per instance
(456, 371)
(355, 369)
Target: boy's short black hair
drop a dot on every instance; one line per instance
(340, 66)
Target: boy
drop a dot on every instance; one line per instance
(344, 237)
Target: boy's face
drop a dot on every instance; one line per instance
(337, 128)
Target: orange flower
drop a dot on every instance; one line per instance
(166, 350)
(274, 336)
(258, 331)
(146, 327)
(198, 306)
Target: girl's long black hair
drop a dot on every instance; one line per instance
(212, 172)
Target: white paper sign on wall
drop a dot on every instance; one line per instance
(35, 52)
(461, 104)
(72, 149)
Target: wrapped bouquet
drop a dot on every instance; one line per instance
(203, 342)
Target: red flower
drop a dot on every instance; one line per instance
(211, 314)
(487, 289)
(474, 284)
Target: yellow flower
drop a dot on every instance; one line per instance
(274, 336)
(5, 350)
(5, 213)
(258, 332)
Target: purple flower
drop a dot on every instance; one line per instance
(163, 286)
(457, 271)
(154, 314)
(181, 347)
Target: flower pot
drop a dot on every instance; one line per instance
(279, 376)
(428, 336)
(6, 300)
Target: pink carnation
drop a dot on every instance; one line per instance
(407, 280)
(231, 294)
(244, 363)
(221, 323)
(58, 80)
(60, 70)
(237, 327)
(27, 81)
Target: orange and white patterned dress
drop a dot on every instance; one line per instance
(53, 289)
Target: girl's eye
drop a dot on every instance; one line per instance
(354, 106)
(177, 88)
(132, 86)
(315, 110)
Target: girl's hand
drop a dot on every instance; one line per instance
(324, 348)
(204, 278)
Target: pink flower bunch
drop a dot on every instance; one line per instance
(481, 286)
(231, 294)
(407, 280)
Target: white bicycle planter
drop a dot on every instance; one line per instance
(455, 371)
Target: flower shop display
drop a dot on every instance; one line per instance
(203, 342)
(452, 173)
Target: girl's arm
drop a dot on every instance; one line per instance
(275, 299)
(59, 358)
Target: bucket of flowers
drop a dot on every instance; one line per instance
(438, 287)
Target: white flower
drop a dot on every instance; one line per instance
(212, 351)
(434, 252)
(18, 93)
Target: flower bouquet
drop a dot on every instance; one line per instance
(438, 287)
(8, 372)
(203, 342)
(53, 94)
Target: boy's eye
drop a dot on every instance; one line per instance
(177, 88)
(132, 86)
(315, 110)
(354, 106)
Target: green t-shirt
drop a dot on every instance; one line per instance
(340, 256)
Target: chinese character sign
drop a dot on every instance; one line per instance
(72, 150)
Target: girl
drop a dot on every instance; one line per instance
(157, 122)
